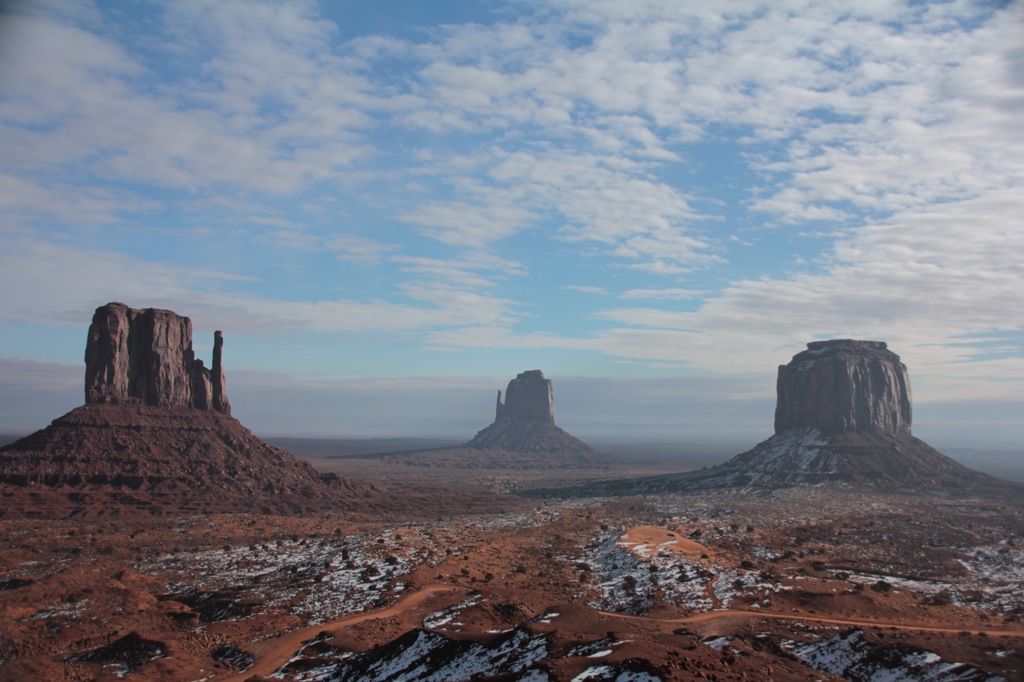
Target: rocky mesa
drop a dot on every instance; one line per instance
(523, 436)
(844, 386)
(842, 415)
(156, 434)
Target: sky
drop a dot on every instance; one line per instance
(392, 208)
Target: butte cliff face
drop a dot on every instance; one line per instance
(145, 357)
(844, 386)
(528, 397)
(842, 416)
(155, 434)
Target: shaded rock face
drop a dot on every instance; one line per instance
(844, 386)
(145, 357)
(528, 397)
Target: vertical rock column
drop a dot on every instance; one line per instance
(106, 355)
(220, 393)
(167, 361)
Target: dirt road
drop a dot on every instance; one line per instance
(272, 654)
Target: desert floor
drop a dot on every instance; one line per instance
(719, 585)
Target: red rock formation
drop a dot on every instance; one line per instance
(145, 357)
(842, 416)
(219, 388)
(843, 386)
(156, 435)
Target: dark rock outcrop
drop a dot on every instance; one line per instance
(843, 416)
(844, 386)
(145, 357)
(528, 397)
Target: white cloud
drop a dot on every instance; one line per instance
(49, 283)
(586, 289)
(471, 270)
(671, 294)
(359, 249)
(272, 111)
(460, 223)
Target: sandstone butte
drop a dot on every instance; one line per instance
(156, 434)
(145, 357)
(842, 416)
(525, 424)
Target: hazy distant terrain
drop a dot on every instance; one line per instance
(1008, 464)
(354, 447)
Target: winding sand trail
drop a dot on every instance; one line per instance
(272, 654)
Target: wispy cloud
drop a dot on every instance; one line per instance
(670, 294)
(586, 289)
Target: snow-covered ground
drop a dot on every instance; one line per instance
(628, 578)
(851, 656)
(320, 580)
(998, 572)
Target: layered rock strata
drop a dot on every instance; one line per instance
(842, 415)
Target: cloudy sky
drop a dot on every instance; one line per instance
(392, 208)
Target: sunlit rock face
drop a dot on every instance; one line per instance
(844, 386)
(145, 357)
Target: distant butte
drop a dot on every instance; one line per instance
(525, 422)
(155, 434)
(842, 416)
(522, 436)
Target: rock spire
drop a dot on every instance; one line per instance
(155, 435)
(145, 357)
